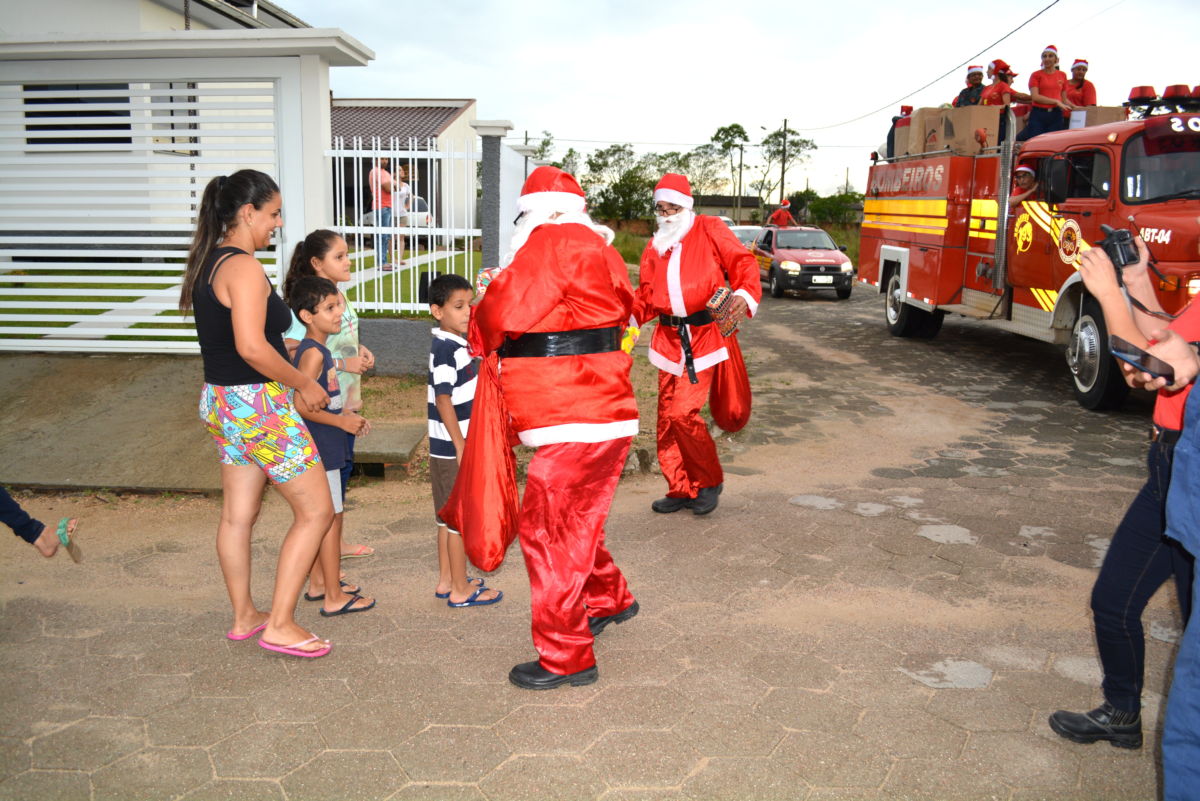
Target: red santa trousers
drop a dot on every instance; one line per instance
(568, 493)
(687, 454)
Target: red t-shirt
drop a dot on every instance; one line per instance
(993, 94)
(1048, 85)
(1082, 96)
(1168, 407)
(781, 217)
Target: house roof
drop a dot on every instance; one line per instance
(748, 201)
(420, 119)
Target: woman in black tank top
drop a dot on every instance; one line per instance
(240, 323)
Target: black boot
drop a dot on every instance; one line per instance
(532, 676)
(706, 499)
(668, 504)
(1122, 729)
(597, 624)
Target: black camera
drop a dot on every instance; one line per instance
(1118, 245)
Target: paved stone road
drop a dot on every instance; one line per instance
(889, 602)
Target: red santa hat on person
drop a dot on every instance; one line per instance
(971, 70)
(1080, 62)
(1024, 168)
(1050, 49)
(549, 189)
(1000, 65)
(674, 188)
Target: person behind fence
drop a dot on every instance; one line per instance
(971, 94)
(1048, 92)
(687, 260)
(555, 315)
(317, 302)
(1140, 557)
(246, 404)
(452, 374)
(326, 254)
(35, 532)
(383, 190)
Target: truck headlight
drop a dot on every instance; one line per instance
(847, 267)
(790, 266)
(1193, 287)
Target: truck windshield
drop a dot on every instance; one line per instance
(800, 240)
(1148, 178)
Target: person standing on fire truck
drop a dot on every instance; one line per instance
(1080, 91)
(970, 96)
(1047, 89)
(1140, 557)
(687, 260)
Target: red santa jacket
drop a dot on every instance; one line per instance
(565, 278)
(682, 280)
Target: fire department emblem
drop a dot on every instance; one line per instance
(1068, 241)
(1023, 231)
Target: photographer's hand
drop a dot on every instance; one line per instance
(1099, 274)
(1177, 352)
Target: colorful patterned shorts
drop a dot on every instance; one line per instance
(256, 424)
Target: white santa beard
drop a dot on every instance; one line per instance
(672, 230)
(531, 220)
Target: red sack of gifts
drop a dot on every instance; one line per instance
(484, 506)
(729, 398)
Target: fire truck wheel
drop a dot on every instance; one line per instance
(843, 294)
(904, 320)
(776, 286)
(1097, 379)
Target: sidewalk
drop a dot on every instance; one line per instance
(888, 603)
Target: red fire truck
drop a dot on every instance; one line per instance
(939, 236)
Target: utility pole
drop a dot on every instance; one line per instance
(783, 164)
(741, 154)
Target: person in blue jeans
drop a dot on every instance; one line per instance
(34, 531)
(1140, 558)
(1181, 732)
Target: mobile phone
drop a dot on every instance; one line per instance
(1147, 363)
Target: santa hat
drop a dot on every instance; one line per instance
(1000, 65)
(549, 189)
(785, 203)
(1024, 168)
(973, 69)
(674, 188)
(1080, 62)
(906, 110)
(1050, 49)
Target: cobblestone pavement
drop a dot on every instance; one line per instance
(890, 600)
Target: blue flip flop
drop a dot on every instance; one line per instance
(478, 582)
(474, 599)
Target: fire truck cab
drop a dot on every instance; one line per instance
(940, 235)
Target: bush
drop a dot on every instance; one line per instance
(630, 246)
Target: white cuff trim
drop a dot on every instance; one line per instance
(578, 432)
(751, 303)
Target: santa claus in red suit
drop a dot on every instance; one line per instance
(556, 313)
(687, 260)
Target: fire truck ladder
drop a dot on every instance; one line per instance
(1000, 267)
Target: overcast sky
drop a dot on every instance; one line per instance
(665, 75)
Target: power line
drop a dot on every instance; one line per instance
(520, 139)
(938, 78)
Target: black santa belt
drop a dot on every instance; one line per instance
(562, 343)
(702, 317)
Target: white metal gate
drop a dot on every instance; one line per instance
(437, 232)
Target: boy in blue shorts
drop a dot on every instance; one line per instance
(317, 303)
(452, 375)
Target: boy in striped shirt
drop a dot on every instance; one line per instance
(452, 374)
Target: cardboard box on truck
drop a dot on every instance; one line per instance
(959, 127)
(1097, 115)
(925, 132)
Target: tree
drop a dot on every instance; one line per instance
(780, 150)
(545, 148)
(618, 183)
(570, 161)
(840, 208)
(801, 203)
(705, 167)
(728, 139)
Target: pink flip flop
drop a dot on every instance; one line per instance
(359, 552)
(247, 635)
(297, 650)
